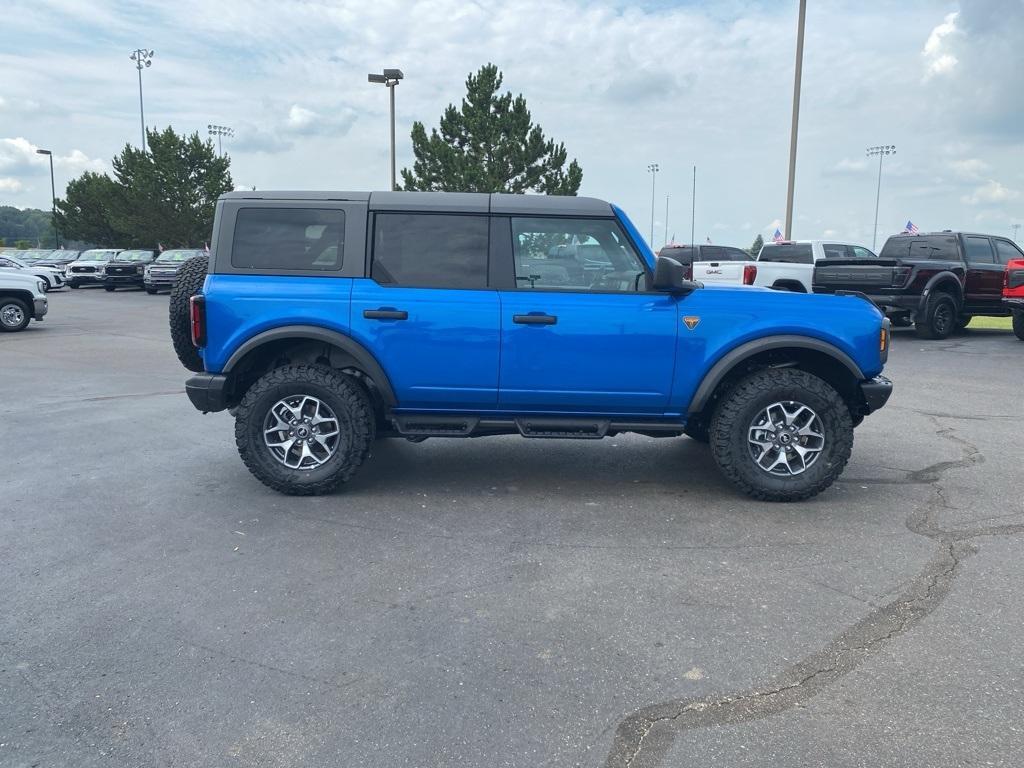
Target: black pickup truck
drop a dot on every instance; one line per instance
(937, 280)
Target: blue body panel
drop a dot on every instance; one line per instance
(618, 354)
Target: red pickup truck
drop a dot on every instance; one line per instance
(1013, 294)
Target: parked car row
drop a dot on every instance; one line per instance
(111, 268)
(936, 281)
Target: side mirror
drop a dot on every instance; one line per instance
(670, 277)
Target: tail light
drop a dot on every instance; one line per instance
(197, 314)
(749, 273)
(900, 275)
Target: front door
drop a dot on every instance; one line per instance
(426, 312)
(580, 333)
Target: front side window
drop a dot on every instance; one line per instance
(575, 255)
(834, 250)
(289, 239)
(978, 249)
(1007, 252)
(859, 252)
(427, 250)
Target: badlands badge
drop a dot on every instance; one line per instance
(691, 321)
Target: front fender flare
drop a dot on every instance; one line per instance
(744, 351)
(359, 353)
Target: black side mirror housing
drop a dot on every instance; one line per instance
(670, 277)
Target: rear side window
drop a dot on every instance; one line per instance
(426, 250)
(299, 239)
(1006, 252)
(790, 253)
(978, 249)
(683, 255)
(722, 253)
(939, 248)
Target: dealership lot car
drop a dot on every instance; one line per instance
(51, 276)
(22, 298)
(89, 267)
(316, 349)
(126, 269)
(161, 273)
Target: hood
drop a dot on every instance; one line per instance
(19, 280)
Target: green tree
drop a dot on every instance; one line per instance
(490, 144)
(22, 245)
(164, 195)
(756, 247)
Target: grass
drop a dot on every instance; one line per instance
(997, 323)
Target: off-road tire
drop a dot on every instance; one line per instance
(341, 393)
(736, 411)
(26, 314)
(1018, 325)
(188, 283)
(938, 319)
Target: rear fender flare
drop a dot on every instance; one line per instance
(745, 351)
(944, 278)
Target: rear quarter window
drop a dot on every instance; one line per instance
(289, 239)
(683, 255)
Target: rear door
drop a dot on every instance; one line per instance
(581, 341)
(426, 311)
(984, 285)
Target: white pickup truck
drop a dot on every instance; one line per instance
(787, 266)
(21, 299)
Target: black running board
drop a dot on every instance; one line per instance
(576, 428)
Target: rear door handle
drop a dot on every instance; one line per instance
(385, 313)
(535, 318)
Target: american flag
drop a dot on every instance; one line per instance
(911, 228)
(777, 237)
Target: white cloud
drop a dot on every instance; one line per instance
(847, 167)
(938, 60)
(990, 192)
(10, 185)
(969, 168)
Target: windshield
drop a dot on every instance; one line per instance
(135, 255)
(178, 254)
(98, 254)
(790, 253)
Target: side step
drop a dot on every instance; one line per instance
(579, 429)
(436, 426)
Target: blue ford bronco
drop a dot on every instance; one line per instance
(325, 320)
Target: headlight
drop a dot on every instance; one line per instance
(41, 284)
(101, 270)
(147, 271)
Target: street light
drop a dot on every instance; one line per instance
(1016, 229)
(881, 151)
(142, 58)
(389, 78)
(653, 170)
(220, 131)
(796, 117)
(53, 196)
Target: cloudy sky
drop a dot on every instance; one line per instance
(623, 84)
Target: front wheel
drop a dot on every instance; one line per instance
(304, 429)
(782, 435)
(1018, 325)
(108, 288)
(938, 319)
(14, 314)
(151, 291)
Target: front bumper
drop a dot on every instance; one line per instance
(122, 280)
(208, 392)
(159, 281)
(84, 278)
(1014, 303)
(875, 392)
(40, 308)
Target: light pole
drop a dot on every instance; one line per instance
(881, 151)
(693, 206)
(653, 169)
(666, 220)
(1016, 229)
(142, 58)
(796, 116)
(220, 131)
(389, 78)
(53, 196)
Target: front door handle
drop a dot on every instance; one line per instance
(385, 313)
(535, 318)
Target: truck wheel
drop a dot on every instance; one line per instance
(781, 435)
(109, 288)
(938, 319)
(1018, 325)
(304, 429)
(151, 291)
(189, 282)
(14, 314)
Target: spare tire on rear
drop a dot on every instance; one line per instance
(188, 282)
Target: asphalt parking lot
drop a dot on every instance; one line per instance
(498, 602)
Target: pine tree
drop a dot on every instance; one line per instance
(756, 247)
(490, 144)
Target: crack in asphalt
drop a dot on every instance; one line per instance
(645, 737)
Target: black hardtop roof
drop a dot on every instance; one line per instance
(453, 202)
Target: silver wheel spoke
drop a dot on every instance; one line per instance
(786, 438)
(301, 432)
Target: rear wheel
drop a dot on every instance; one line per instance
(1018, 325)
(109, 288)
(189, 282)
(14, 314)
(938, 319)
(781, 435)
(304, 429)
(151, 291)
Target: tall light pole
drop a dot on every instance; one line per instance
(653, 169)
(389, 78)
(881, 151)
(220, 131)
(796, 117)
(693, 206)
(1016, 229)
(666, 219)
(53, 196)
(142, 58)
